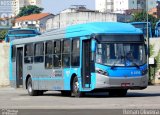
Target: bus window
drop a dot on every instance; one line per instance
(48, 56)
(57, 54)
(13, 53)
(66, 53)
(28, 55)
(75, 52)
(39, 53)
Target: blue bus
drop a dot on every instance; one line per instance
(143, 27)
(91, 57)
(20, 33)
(157, 29)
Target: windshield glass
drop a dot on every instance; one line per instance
(121, 54)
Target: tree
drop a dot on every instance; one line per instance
(28, 10)
(3, 34)
(142, 17)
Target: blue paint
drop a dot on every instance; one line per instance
(101, 28)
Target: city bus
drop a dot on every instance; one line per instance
(143, 27)
(20, 33)
(91, 57)
(157, 29)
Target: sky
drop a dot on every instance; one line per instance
(55, 6)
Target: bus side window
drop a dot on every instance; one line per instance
(75, 56)
(39, 53)
(48, 55)
(28, 55)
(13, 49)
(66, 53)
(57, 54)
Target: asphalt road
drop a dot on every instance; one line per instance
(136, 99)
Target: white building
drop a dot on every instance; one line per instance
(104, 5)
(35, 21)
(120, 6)
(21, 3)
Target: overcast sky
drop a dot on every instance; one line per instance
(55, 6)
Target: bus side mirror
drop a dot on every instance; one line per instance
(93, 45)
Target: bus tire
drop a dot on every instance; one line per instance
(30, 90)
(66, 93)
(122, 92)
(75, 88)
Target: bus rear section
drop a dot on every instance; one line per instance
(20, 33)
(98, 56)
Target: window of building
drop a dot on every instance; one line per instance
(57, 54)
(48, 56)
(28, 53)
(66, 53)
(39, 53)
(75, 56)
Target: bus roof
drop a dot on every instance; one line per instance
(84, 30)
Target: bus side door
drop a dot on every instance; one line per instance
(86, 63)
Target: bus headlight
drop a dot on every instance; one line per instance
(102, 72)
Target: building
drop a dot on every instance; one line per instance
(104, 5)
(21, 3)
(35, 21)
(120, 6)
(72, 16)
(6, 8)
(155, 11)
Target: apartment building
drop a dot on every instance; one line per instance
(120, 6)
(21, 3)
(104, 5)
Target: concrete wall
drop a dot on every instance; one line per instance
(65, 19)
(4, 64)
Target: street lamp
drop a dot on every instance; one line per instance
(147, 37)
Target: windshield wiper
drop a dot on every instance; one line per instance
(137, 66)
(113, 66)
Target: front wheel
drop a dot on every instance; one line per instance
(75, 88)
(30, 90)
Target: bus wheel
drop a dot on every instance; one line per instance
(75, 88)
(31, 92)
(65, 93)
(122, 92)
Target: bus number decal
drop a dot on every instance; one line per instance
(57, 73)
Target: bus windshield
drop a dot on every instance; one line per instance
(121, 54)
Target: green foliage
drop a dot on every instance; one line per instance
(3, 34)
(151, 49)
(28, 10)
(142, 17)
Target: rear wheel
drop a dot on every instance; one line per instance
(75, 88)
(65, 93)
(30, 90)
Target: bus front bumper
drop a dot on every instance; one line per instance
(107, 82)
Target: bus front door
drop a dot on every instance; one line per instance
(86, 62)
(19, 66)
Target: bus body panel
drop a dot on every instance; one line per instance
(45, 79)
